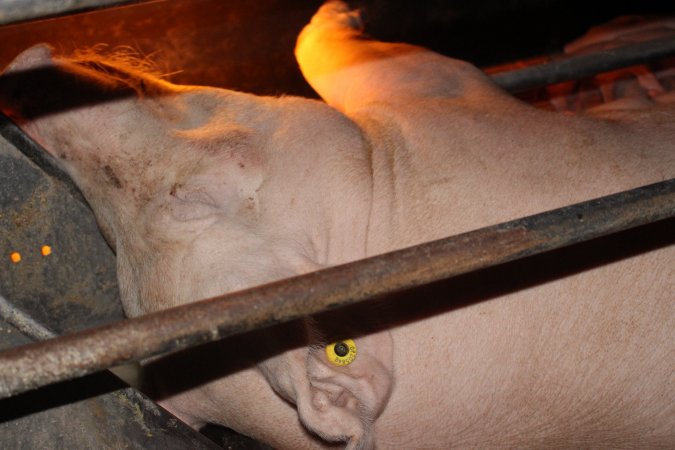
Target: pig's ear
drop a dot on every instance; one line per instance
(40, 55)
(339, 401)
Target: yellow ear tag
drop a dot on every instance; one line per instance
(341, 353)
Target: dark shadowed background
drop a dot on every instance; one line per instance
(248, 45)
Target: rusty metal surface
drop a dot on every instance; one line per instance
(74, 287)
(581, 66)
(17, 10)
(84, 352)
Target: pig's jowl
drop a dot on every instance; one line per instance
(203, 191)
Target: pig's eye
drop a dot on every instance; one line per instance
(341, 353)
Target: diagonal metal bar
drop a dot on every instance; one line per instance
(23, 321)
(580, 66)
(38, 364)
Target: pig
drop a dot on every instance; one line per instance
(203, 191)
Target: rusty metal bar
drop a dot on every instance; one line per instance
(38, 364)
(19, 10)
(576, 67)
(23, 322)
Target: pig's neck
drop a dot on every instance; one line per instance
(394, 221)
(318, 186)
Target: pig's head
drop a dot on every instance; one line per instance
(158, 163)
(203, 191)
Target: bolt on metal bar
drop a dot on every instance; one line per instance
(19, 10)
(69, 356)
(576, 67)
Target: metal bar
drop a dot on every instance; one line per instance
(19, 10)
(23, 322)
(581, 66)
(38, 364)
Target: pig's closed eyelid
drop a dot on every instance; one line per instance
(193, 207)
(193, 212)
(192, 196)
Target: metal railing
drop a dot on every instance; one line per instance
(69, 356)
(581, 66)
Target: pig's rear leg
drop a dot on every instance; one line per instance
(349, 70)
